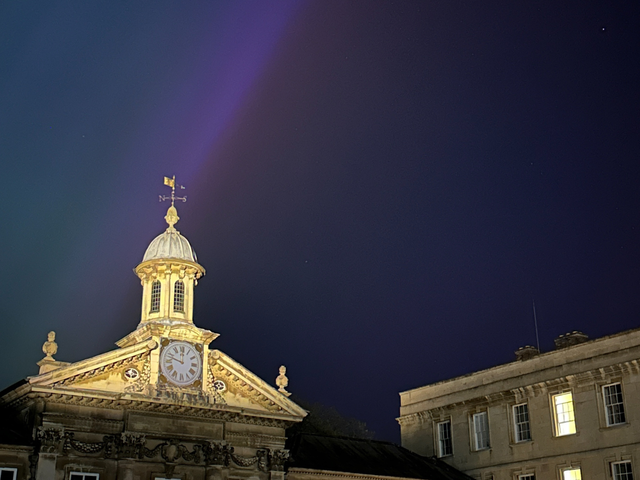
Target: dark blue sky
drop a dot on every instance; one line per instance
(377, 190)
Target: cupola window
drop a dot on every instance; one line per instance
(178, 296)
(155, 296)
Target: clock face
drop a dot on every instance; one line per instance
(180, 363)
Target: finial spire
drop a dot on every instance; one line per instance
(172, 214)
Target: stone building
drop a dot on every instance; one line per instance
(166, 406)
(567, 414)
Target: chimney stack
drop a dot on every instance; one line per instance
(570, 339)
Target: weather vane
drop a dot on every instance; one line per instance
(171, 182)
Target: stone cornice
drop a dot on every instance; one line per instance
(178, 330)
(5, 447)
(599, 350)
(582, 379)
(149, 267)
(160, 405)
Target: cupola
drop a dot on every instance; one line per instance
(169, 272)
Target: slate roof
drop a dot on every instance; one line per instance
(369, 457)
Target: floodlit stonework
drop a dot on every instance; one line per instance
(165, 405)
(570, 413)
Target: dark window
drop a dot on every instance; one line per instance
(8, 473)
(178, 296)
(155, 297)
(614, 404)
(521, 422)
(445, 445)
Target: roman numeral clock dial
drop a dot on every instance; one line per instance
(180, 363)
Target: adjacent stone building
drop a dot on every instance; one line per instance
(567, 414)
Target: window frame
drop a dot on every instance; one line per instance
(440, 439)
(570, 469)
(606, 406)
(156, 294)
(514, 417)
(613, 473)
(178, 296)
(484, 414)
(526, 476)
(556, 415)
(93, 475)
(14, 470)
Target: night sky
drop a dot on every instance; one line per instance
(378, 190)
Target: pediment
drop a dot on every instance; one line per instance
(103, 373)
(245, 390)
(105, 376)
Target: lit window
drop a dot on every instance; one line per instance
(521, 422)
(571, 474)
(445, 445)
(528, 476)
(155, 296)
(481, 430)
(622, 471)
(83, 476)
(613, 404)
(178, 296)
(8, 473)
(565, 418)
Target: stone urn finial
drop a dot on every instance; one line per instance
(50, 347)
(282, 381)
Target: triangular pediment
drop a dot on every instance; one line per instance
(127, 374)
(106, 373)
(246, 390)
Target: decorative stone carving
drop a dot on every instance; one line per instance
(138, 385)
(215, 388)
(282, 381)
(49, 439)
(134, 446)
(278, 460)
(50, 347)
(272, 460)
(105, 369)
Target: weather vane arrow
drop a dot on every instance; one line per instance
(171, 182)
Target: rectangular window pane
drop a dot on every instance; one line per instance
(529, 476)
(521, 422)
(178, 296)
(156, 288)
(481, 430)
(622, 471)
(613, 404)
(445, 445)
(8, 473)
(565, 419)
(572, 474)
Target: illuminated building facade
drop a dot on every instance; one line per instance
(166, 406)
(572, 413)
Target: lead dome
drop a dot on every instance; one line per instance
(170, 244)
